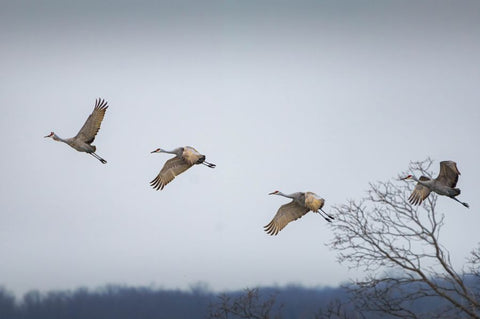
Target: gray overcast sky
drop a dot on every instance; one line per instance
(287, 95)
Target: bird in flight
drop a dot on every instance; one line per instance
(444, 184)
(302, 203)
(185, 157)
(82, 142)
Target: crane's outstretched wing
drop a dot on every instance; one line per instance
(92, 124)
(285, 214)
(448, 174)
(172, 168)
(419, 193)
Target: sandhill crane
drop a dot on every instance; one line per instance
(301, 204)
(444, 184)
(82, 141)
(185, 157)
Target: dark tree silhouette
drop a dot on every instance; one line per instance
(7, 304)
(249, 305)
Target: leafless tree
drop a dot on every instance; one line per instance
(339, 309)
(397, 245)
(249, 305)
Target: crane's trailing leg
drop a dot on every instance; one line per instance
(327, 217)
(211, 165)
(463, 203)
(99, 158)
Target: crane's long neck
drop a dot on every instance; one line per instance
(285, 195)
(58, 138)
(175, 151)
(427, 182)
(414, 178)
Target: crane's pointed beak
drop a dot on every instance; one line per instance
(49, 135)
(155, 151)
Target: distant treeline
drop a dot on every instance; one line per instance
(122, 302)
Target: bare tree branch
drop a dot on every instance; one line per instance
(249, 305)
(384, 233)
